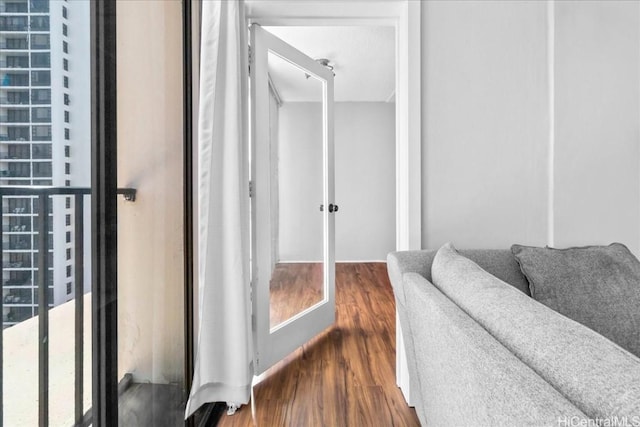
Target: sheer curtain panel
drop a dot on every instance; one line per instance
(223, 369)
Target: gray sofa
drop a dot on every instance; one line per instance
(487, 354)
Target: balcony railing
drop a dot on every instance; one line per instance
(21, 64)
(14, 46)
(43, 195)
(9, 26)
(14, 100)
(14, 174)
(14, 82)
(15, 119)
(13, 7)
(16, 156)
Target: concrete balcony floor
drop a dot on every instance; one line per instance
(140, 404)
(20, 370)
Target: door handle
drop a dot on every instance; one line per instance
(332, 208)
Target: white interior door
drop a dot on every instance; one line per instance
(292, 207)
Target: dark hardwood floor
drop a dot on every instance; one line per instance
(294, 288)
(346, 375)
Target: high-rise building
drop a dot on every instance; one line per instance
(44, 141)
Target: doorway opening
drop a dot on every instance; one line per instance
(362, 59)
(404, 17)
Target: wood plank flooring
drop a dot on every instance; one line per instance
(346, 375)
(294, 288)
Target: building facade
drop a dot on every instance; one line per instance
(44, 141)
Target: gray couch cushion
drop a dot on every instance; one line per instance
(466, 377)
(598, 376)
(598, 286)
(499, 262)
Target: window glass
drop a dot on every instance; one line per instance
(14, 23)
(40, 6)
(15, 115)
(41, 151)
(40, 78)
(16, 7)
(41, 169)
(41, 96)
(41, 60)
(41, 133)
(17, 96)
(40, 41)
(14, 79)
(41, 114)
(17, 61)
(17, 42)
(39, 23)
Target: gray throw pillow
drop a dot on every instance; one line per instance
(598, 286)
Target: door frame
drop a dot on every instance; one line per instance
(405, 17)
(104, 218)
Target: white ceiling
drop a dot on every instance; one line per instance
(363, 60)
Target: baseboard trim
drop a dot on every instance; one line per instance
(355, 261)
(362, 261)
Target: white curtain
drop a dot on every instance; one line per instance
(223, 369)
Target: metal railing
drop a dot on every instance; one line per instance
(13, 7)
(5, 100)
(44, 195)
(16, 46)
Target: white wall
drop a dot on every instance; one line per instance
(150, 155)
(365, 181)
(300, 181)
(484, 123)
(488, 104)
(597, 169)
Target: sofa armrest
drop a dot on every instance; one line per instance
(399, 263)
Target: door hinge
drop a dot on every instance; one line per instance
(250, 58)
(250, 189)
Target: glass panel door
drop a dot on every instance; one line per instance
(297, 178)
(45, 180)
(292, 207)
(151, 275)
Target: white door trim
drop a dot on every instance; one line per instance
(405, 16)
